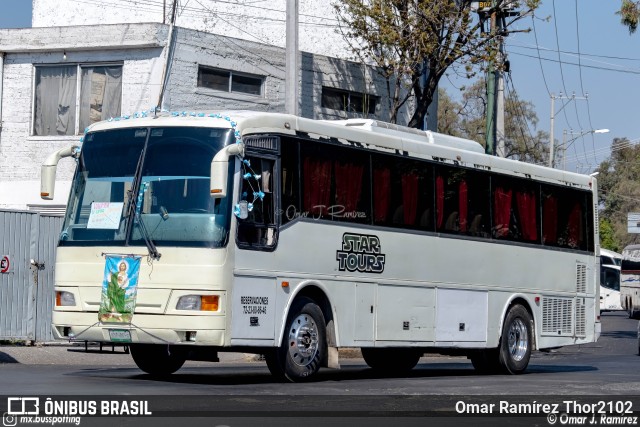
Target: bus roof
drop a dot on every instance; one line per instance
(611, 254)
(371, 134)
(631, 253)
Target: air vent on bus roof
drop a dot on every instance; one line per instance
(411, 133)
(262, 142)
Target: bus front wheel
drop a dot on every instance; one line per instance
(157, 359)
(515, 345)
(303, 346)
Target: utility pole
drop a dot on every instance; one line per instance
(496, 13)
(291, 68)
(490, 129)
(500, 149)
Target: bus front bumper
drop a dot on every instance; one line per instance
(143, 329)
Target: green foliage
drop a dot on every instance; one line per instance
(410, 39)
(467, 119)
(607, 236)
(619, 191)
(630, 14)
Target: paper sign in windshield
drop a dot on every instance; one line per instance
(105, 215)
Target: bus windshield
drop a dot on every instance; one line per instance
(173, 201)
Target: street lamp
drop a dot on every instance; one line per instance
(566, 144)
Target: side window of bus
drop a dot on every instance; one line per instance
(565, 219)
(258, 230)
(462, 201)
(335, 183)
(610, 278)
(515, 210)
(402, 193)
(290, 181)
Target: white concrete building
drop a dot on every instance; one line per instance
(260, 21)
(90, 60)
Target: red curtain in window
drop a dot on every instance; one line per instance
(501, 211)
(463, 203)
(410, 197)
(575, 227)
(439, 202)
(348, 185)
(317, 185)
(550, 220)
(526, 202)
(381, 192)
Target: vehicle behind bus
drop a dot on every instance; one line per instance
(630, 281)
(610, 298)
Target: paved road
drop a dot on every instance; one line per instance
(606, 369)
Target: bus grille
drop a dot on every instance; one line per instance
(557, 316)
(581, 278)
(581, 318)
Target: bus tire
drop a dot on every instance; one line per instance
(514, 351)
(157, 359)
(304, 344)
(391, 360)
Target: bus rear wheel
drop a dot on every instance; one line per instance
(391, 360)
(515, 345)
(157, 359)
(304, 344)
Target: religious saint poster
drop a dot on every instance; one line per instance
(119, 289)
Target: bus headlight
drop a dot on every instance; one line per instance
(198, 302)
(65, 299)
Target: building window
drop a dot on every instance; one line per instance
(64, 107)
(352, 102)
(229, 81)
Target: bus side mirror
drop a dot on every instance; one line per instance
(220, 169)
(48, 171)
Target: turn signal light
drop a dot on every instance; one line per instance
(210, 303)
(198, 302)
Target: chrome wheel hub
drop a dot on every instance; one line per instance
(303, 340)
(518, 340)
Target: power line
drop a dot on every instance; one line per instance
(564, 87)
(627, 71)
(569, 52)
(535, 34)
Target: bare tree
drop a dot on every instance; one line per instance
(413, 43)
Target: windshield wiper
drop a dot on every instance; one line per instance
(133, 213)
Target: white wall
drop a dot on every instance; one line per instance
(261, 21)
(21, 153)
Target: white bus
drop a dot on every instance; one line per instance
(630, 281)
(610, 262)
(292, 238)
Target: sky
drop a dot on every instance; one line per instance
(598, 60)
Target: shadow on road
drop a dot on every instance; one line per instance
(5, 358)
(619, 334)
(259, 374)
